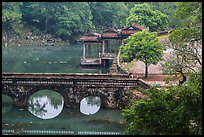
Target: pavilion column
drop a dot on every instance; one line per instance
(103, 47)
(122, 41)
(89, 50)
(106, 47)
(84, 51)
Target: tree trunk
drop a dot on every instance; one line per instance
(146, 70)
(184, 77)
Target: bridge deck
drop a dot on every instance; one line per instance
(62, 75)
(91, 80)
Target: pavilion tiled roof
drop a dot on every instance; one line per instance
(111, 33)
(131, 29)
(134, 26)
(92, 37)
(138, 26)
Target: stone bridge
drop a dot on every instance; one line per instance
(73, 87)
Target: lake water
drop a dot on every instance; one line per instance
(46, 113)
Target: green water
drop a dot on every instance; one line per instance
(50, 116)
(56, 59)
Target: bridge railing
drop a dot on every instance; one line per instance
(52, 80)
(65, 75)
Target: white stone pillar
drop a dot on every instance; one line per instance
(84, 51)
(103, 47)
(122, 41)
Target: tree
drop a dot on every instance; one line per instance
(168, 8)
(191, 12)
(144, 15)
(40, 15)
(186, 42)
(66, 20)
(108, 14)
(143, 46)
(12, 16)
(73, 19)
(173, 111)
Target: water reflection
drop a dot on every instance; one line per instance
(46, 104)
(90, 105)
(7, 103)
(59, 59)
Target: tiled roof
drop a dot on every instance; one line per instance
(91, 37)
(128, 32)
(134, 26)
(111, 33)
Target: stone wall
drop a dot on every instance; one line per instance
(111, 98)
(29, 39)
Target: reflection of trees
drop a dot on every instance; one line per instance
(37, 108)
(54, 98)
(93, 100)
(40, 102)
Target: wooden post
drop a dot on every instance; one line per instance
(84, 51)
(89, 50)
(122, 41)
(106, 46)
(103, 47)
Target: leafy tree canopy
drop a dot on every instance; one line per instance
(173, 111)
(144, 15)
(12, 16)
(186, 42)
(143, 46)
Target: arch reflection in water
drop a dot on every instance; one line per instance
(90, 105)
(46, 104)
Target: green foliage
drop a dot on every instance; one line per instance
(144, 15)
(172, 111)
(186, 35)
(142, 46)
(69, 20)
(72, 21)
(168, 8)
(187, 41)
(190, 11)
(65, 20)
(11, 16)
(108, 14)
(192, 14)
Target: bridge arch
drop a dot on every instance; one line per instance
(110, 97)
(52, 88)
(46, 104)
(102, 96)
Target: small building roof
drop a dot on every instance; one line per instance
(133, 28)
(91, 37)
(110, 34)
